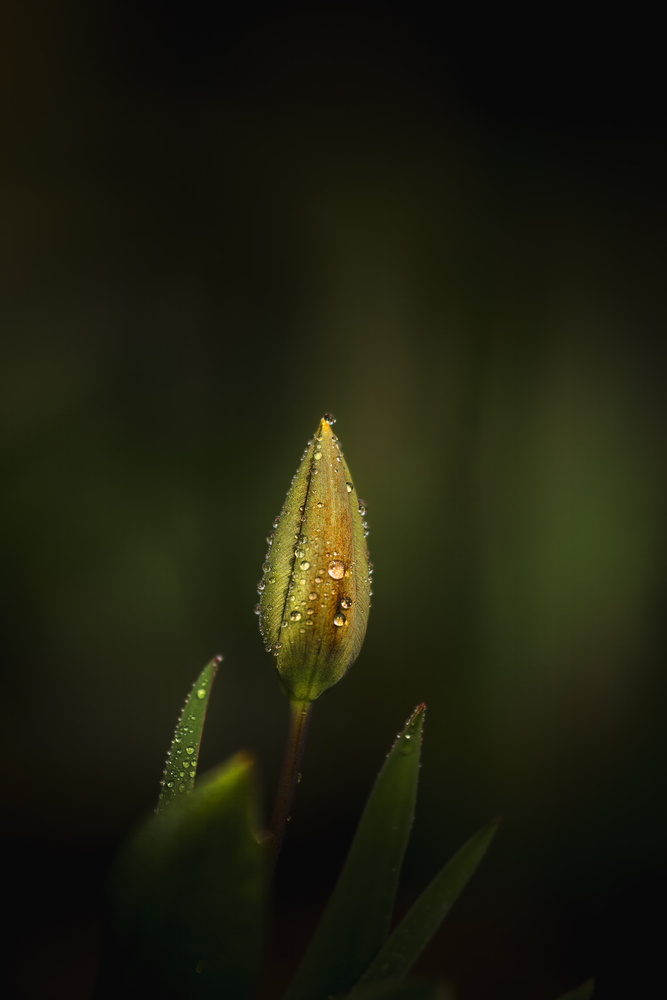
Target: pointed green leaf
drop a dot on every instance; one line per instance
(188, 896)
(356, 920)
(420, 924)
(583, 992)
(181, 766)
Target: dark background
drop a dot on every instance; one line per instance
(448, 229)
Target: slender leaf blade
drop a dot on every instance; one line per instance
(181, 766)
(583, 992)
(189, 896)
(356, 920)
(409, 939)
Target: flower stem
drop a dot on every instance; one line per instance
(300, 712)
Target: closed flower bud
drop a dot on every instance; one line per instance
(315, 592)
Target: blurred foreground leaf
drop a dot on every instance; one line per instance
(188, 897)
(356, 920)
(188, 890)
(420, 924)
(583, 992)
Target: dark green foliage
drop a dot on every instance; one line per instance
(418, 926)
(188, 895)
(356, 920)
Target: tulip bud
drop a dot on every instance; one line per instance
(315, 592)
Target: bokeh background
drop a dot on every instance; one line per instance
(449, 231)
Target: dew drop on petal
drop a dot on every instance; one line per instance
(336, 569)
(339, 619)
(295, 616)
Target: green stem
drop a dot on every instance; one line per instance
(300, 712)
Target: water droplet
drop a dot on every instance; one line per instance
(339, 619)
(192, 774)
(201, 694)
(271, 535)
(310, 611)
(298, 778)
(257, 609)
(266, 568)
(350, 487)
(312, 596)
(170, 784)
(289, 819)
(300, 553)
(302, 539)
(329, 419)
(318, 579)
(362, 507)
(295, 616)
(336, 569)
(260, 586)
(346, 602)
(283, 623)
(189, 749)
(276, 521)
(272, 579)
(278, 645)
(302, 630)
(320, 504)
(305, 565)
(317, 456)
(181, 788)
(309, 622)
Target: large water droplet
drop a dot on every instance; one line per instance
(317, 456)
(336, 569)
(350, 487)
(329, 419)
(346, 602)
(312, 596)
(201, 694)
(260, 586)
(189, 749)
(295, 616)
(339, 619)
(305, 565)
(257, 609)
